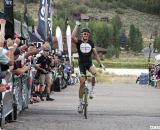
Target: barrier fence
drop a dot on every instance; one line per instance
(16, 99)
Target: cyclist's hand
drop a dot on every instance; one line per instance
(78, 23)
(102, 66)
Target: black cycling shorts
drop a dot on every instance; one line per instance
(84, 67)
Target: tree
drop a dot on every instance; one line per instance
(139, 41)
(122, 39)
(100, 33)
(157, 44)
(117, 24)
(135, 38)
(131, 36)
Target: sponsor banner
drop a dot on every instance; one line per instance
(44, 27)
(8, 13)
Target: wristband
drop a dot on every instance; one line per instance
(78, 23)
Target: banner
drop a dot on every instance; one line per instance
(68, 36)
(8, 13)
(44, 27)
(59, 38)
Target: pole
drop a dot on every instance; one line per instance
(46, 19)
(149, 57)
(26, 17)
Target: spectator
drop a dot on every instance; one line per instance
(44, 63)
(18, 69)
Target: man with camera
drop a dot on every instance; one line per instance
(44, 63)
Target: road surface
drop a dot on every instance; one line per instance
(116, 107)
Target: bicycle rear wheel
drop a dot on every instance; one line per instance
(85, 102)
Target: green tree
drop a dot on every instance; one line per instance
(157, 44)
(122, 39)
(100, 33)
(117, 24)
(139, 41)
(131, 37)
(135, 38)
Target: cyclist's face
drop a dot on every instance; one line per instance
(85, 35)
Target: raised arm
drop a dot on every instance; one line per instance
(74, 32)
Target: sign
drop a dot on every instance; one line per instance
(8, 13)
(44, 27)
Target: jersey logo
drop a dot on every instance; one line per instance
(85, 48)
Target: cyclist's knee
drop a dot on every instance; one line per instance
(82, 81)
(94, 75)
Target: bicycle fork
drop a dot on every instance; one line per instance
(85, 99)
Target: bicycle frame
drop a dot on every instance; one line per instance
(85, 97)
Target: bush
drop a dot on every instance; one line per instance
(119, 11)
(17, 15)
(78, 9)
(29, 1)
(110, 51)
(30, 20)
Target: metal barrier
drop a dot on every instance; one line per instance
(7, 102)
(16, 99)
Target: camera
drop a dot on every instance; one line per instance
(37, 44)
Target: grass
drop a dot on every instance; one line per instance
(127, 60)
(116, 79)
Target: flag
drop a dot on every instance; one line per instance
(44, 27)
(8, 13)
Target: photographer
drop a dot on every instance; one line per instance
(43, 68)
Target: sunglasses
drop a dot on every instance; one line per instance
(86, 34)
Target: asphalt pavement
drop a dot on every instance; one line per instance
(116, 107)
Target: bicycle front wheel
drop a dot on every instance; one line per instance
(85, 102)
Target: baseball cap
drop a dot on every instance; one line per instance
(86, 29)
(45, 49)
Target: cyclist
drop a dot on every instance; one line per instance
(85, 48)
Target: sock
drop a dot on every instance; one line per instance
(80, 101)
(92, 89)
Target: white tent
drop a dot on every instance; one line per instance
(157, 59)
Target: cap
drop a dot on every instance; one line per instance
(45, 49)
(86, 29)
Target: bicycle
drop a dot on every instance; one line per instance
(85, 97)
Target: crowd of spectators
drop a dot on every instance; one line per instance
(18, 58)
